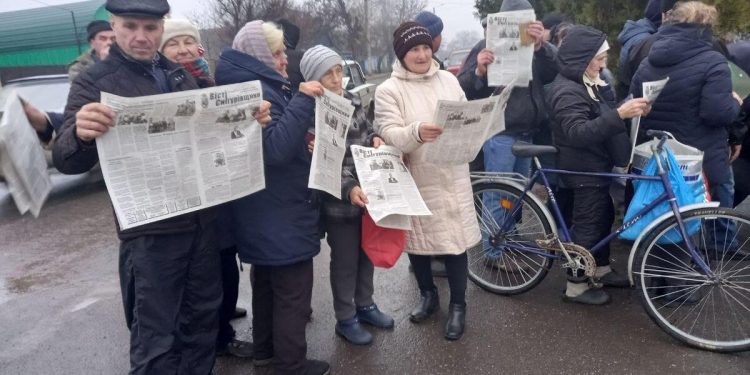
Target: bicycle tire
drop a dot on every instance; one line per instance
(672, 290)
(514, 271)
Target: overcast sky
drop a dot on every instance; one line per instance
(457, 15)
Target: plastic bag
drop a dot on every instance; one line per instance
(647, 191)
(382, 245)
(690, 160)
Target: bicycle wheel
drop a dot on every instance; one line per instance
(702, 311)
(501, 264)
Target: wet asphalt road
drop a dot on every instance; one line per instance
(60, 313)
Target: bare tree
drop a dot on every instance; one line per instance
(231, 15)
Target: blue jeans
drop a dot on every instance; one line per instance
(725, 230)
(499, 158)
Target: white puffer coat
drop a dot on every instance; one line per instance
(401, 104)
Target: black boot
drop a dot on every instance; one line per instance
(454, 327)
(428, 303)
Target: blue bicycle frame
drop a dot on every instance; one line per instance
(668, 195)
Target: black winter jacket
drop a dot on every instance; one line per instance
(123, 76)
(526, 110)
(696, 106)
(590, 135)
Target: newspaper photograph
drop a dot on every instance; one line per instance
(466, 126)
(22, 159)
(391, 192)
(508, 38)
(651, 91)
(171, 154)
(333, 115)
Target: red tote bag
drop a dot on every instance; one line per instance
(382, 245)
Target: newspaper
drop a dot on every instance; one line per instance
(175, 153)
(22, 159)
(333, 115)
(508, 38)
(651, 91)
(466, 126)
(391, 192)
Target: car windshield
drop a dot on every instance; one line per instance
(47, 95)
(457, 58)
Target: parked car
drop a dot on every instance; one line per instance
(355, 82)
(455, 60)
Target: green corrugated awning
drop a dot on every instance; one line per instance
(37, 36)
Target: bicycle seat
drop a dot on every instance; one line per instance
(527, 150)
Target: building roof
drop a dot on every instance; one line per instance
(48, 27)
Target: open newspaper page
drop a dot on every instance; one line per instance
(651, 91)
(508, 38)
(391, 192)
(466, 126)
(23, 161)
(171, 154)
(333, 115)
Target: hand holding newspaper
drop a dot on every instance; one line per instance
(22, 159)
(466, 126)
(175, 153)
(651, 91)
(333, 116)
(508, 38)
(391, 191)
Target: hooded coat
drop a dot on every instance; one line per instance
(696, 106)
(279, 225)
(590, 135)
(401, 104)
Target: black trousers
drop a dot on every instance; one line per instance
(593, 216)
(281, 307)
(351, 269)
(171, 291)
(457, 268)
(230, 280)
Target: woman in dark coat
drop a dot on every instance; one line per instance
(697, 105)
(591, 135)
(276, 229)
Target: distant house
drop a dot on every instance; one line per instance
(45, 40)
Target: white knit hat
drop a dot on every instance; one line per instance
(177, 27)
(317, 61)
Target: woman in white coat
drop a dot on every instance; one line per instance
(404, 110)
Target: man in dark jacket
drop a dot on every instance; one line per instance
(740, 54)
(293, 55)
(635, 31)
(592, 137)
(526, 109)
(169, 270)
(638, 48)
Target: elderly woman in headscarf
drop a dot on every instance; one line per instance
(591, 134)
(404, 116)
(276, 229)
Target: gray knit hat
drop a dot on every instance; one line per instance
(317, 60)
(251, 40)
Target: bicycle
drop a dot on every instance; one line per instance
(694, 283)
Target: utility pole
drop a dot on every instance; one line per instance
(368, 69)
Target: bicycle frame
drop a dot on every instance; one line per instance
(668, 195)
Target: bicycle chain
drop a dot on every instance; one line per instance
(582, 258)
